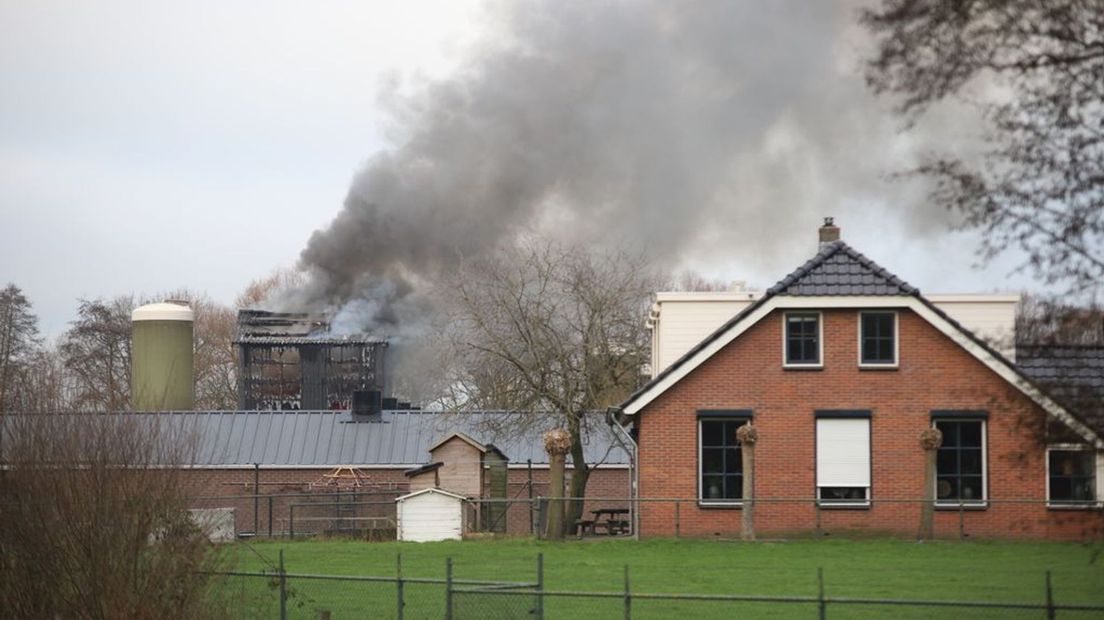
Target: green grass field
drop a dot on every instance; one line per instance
(972, 571)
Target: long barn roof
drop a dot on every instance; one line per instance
(331, 438)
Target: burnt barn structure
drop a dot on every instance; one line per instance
(292, 361)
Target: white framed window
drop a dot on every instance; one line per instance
(843, 458)
(1072, 477)
(720, 460)
(961, 462)
(878, 339)
(802, 340)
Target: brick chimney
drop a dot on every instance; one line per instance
(829, 232)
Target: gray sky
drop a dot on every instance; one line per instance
(147, 146)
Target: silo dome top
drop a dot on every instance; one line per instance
(163, 311)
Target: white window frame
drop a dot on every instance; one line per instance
(864, 503)
(972, 503)
(820, 340)
(896, 340)
(702, 500)
(1098, 464)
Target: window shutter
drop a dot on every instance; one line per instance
(843, 452)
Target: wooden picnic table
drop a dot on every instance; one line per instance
(616, 520)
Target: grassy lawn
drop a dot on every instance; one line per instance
(978, 571)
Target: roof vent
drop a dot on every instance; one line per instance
(367, 405)
(829, 232)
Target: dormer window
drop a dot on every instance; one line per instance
(803, 339)
(878, 339)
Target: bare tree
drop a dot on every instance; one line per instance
(558, 331)
(18, 339)
(1039, 184)
(41, 384)
(96, 351)
(1054, 320)
(95, 519)
(215, 358)
(259, 291)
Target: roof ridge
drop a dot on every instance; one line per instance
(821, 258)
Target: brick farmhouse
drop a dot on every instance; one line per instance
(840, 367)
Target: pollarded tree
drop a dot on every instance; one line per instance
(18, 339)
(1036, 70)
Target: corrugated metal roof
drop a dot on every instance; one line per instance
(400, 438)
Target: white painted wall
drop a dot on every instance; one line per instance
(681, 320)
(430, 516)
(991, 317)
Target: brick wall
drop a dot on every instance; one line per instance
(933, 373)
(223, 488)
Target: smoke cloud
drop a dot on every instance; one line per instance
(689, 129)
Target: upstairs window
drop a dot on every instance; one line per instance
(877, 338)
(1071, 477)
(960, 463)
(720, 461)
(802, 346)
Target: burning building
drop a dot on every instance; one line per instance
(294, 361)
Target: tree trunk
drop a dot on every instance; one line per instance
(930, 441)
(555, 524)
(580, 474)
(747, 518)
(927, 509)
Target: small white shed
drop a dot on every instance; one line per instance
(430, 514)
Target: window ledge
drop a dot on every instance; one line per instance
(802, 366)
(964, 505)
(721, 505)
(843, 505)
(1075, 506)
(878, 366)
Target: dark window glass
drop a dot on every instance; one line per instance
(802, 339)
(878, 334)
(842, 494)
(722, 469)
(1072, 476)
(959, 462)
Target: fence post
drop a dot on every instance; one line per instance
(399, 586)
(256, 497)
(291, 521)
(961, 522)
(270, 516)
(448, 588)
(678, 519)
(283, 588)
(816, 508)
(628, 595)
(822, 605)
(532, 523)
(540, 587)
(1049, 598)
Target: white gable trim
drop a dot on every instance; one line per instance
(430, 490)
(997, 365)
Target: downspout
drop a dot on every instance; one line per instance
(629, 445)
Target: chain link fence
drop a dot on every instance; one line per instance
(283, 595)
(372, 515)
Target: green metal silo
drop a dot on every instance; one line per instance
(161, 359)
